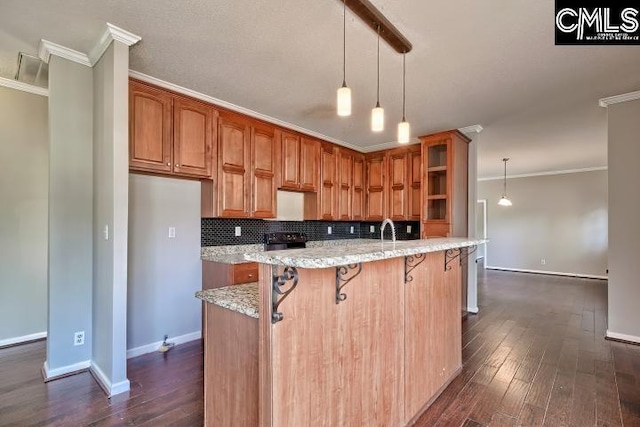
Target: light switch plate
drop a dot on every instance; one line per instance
(372, 229)
(351, 229)
(408, 229)
(106, 232)
(172, 232)
(329, 230)
(238, 231)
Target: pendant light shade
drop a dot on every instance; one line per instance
(504, 200)
(404, 130)
(344, 101)
(377, 113)
(344, 93)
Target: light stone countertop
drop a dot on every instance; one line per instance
(240, 298)
(333, 256)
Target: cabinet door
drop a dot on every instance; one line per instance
(357, 199)
(328, 186)
(149, 128)
(345, 177)
(415, 183)
(398, 175)
(193, 131)
(290, 161)
(309, 159)
(376, 196)
(263, 167)
(233, 166)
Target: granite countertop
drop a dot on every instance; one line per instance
(333, 256)
(228, 254)
(240, 298)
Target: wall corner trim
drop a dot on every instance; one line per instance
(615, 336)
(24, 87)
(63, 371)
(617, 99)
(47, 48)
(110, 34)
(107, 386)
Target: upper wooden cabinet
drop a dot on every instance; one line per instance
(444, 175)
(168, 133)
(345, 183)
(234, 168)
(299, 162)
(264, 140)
(376, 198)
(404, 183)
(247, 163)
(358, 188)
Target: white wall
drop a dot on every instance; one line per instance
(559, 218)
(164, 273)
(110, 208)
(70, 214)
(24, 177)
(624, 220)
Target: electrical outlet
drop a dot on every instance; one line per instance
(351, 229)
(408, 229)
(172, 232)
(372, 229)
(238, 231)
(543, 261)
(78, 338)
(329, 230)
(106, 232)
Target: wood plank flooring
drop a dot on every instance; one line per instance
(534, 355)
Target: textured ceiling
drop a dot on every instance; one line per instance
(491, 63)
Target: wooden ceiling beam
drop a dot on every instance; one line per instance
(371, 16)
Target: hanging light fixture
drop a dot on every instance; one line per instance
(377, 113)
(344, 93)
(404, 130)
(504, 201)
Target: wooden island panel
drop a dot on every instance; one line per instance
(335, 364)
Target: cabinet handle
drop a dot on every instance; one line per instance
(177, 165)
(168, 163)
(250, 276)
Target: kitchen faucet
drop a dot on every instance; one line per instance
(393, 230)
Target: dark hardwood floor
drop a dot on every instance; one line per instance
(534, 355)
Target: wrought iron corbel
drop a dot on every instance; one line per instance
(341, 279)
(449, 256)
(466, 252)
(411, 262)
(277, 283)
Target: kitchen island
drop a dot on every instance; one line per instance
(365, 334)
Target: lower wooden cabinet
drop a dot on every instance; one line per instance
(217, 275)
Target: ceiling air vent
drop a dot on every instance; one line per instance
(32, 70)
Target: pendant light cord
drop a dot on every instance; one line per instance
(505, 177)
(378, 99)
(344, 43)
(404, 75)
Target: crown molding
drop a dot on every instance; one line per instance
(388, 145)
(605, 102)
(47, 48)
(24, 87)
(471, 129)
(236, 108)
(110, 34)
(558, 172)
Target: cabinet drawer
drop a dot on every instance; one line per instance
(245, 273)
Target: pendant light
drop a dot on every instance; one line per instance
(344, 93)
(377, 113)
(404, 130)
(504, 201)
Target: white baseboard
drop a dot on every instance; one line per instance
(24, 338)
(50, 374)
(552, 273)
(105, 383)
(473, 310)
(150, 348)
(623, 337)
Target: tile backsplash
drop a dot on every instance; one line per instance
(221, 231)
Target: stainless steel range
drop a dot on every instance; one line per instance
(284, 240)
